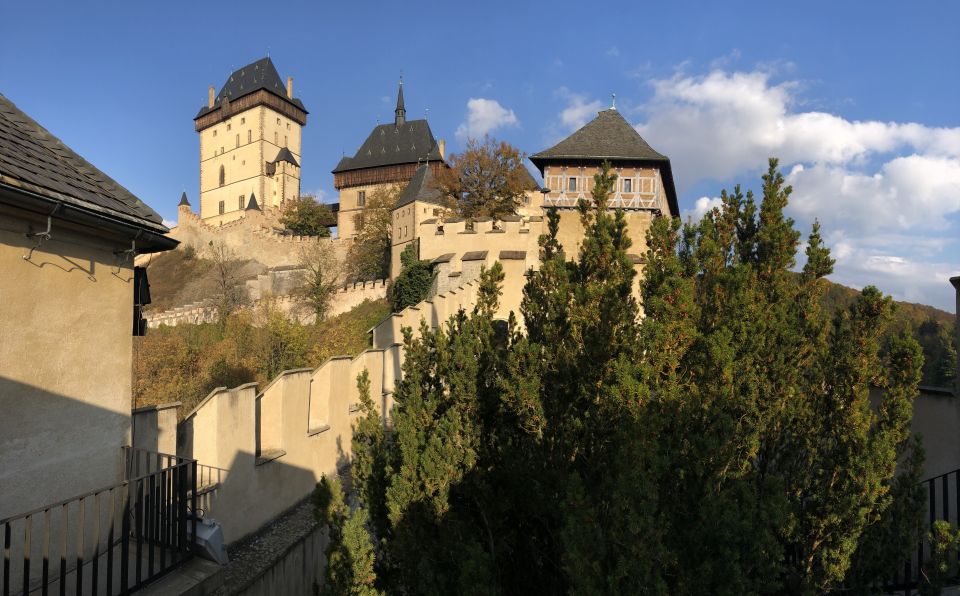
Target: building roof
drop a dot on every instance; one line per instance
(255, 76)
(252, 204)
(286, 156)
(401, 142)
(609, 137)
(183, 200)
(390, 144)
(420, 188)
(36, 163)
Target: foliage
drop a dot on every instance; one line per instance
(305, 216)
(943, 540)
(724, 444)
(322, 273)
(369, 254)
(350, 556)
(186, 362)
(413, 283)
(230, 292)
(487, 179)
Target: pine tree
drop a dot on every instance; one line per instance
(350, 555)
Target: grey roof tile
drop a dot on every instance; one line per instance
(475, 255)
(392, 144)
(261, 74)
(420, 188)
(30, 154)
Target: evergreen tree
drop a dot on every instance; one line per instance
(413, 283)
(350, 556)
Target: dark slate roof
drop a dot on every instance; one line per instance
(474, 255)
(420, 188)
(390, 145)
(286, 156)
(609, 137)
(183, 200)
(32, 159)
(261, 74)
(253, 202)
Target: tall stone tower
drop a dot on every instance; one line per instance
(250, 137)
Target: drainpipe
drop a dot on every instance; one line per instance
(956, 334)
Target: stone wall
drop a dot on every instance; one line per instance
(343, 300)
(256, 236)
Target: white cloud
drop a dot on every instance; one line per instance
(578, 111)
(483, 117)
(701, 207)
(888, 193)
(613, 51)
(170, 223)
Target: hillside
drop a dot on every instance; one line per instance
(181, 277)
(931, 327)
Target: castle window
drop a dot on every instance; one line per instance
(284, 140)
(288, 126)
(249, 136)
(238, 140)
(243, 121)
(214, 132)
(627, 185)
(361, 198)
(240, 202)
(275, 137)
(228, 127)
(221, 208)
(223, 179)
(278, 121)
(572, 184)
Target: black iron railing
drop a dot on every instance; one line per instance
(112, 540)
(943, 503)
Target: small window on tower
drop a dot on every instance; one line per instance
(228, 127)
(361, 198)
(223, 178)
(275, 137)
(288, 126)
(572, 184)
(627, 185)
(278, 121)
(284, 140)
(249, 136)
(221, 208)
(238, 140)
(243, 121)
(240, 202)
(214, 132)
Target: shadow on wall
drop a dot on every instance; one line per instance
(53, 447)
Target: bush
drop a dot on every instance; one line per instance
(306, 217)
(413, 283)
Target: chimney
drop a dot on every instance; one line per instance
(956, 334)
(443, 149)
(290, 87)
(210, 97)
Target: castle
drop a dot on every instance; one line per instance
(250, 163)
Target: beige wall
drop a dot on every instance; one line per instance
(65, 364)
(349, 209)
(244, 161)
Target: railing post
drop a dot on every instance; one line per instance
(125, 540)
(6, 559)
(193, 505)
(27, 535)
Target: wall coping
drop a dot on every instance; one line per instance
(203, 402)
(156, 407)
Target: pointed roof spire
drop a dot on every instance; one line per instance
(183, 200)
(253, 203)
(400, 114)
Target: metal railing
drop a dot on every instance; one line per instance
(111, 540)
(943, 503)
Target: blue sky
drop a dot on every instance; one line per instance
(860, 100)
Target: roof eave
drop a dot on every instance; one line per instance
(151, 236)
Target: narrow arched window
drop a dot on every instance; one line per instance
(223, 176)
